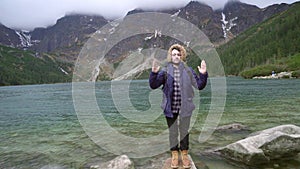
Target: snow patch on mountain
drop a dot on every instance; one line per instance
(176, 14)
(157, 33)
(227, 25)
(25, 39)
(62, 70)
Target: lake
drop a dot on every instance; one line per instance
(40, 127)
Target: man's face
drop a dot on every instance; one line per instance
(176, 56)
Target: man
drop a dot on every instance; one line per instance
(178, 81)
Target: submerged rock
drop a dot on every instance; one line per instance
(152, 162)
(120, 162)
(266, 145)
(53, 167)
(235, 127)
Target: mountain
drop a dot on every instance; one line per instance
(68, 34)
(66, 37)
(221, 25)
(266, 43)
(9, 37)
(243, 16)
(64, 40)
(72, 31)
(67, 31)
(205, 18)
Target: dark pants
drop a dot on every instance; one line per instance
(180, 129)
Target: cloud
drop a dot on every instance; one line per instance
(263, 4)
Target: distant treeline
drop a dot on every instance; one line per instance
(24, 67)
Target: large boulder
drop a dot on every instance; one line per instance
(120, 162)
(266, 145)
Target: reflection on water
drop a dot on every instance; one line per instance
(39, 127)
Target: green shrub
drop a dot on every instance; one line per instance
(264, 70)
(296, 74)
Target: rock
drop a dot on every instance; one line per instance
(281, 75)
(152, 162)
(285, 75)
(120, 162)
(266, 145)
(53, 167)
(232, 127)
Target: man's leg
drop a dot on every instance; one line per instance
(173, 132)
(184, 126)
(173, 139)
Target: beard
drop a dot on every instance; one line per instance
(176, 63)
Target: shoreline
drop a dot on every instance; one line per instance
(281, 75)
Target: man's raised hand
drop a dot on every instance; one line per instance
(155, 66)
(202, 68)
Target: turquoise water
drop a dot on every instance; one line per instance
(39, 127)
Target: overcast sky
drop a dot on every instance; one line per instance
(29, 14)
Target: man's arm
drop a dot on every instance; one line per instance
(202, 79)
(157, 77)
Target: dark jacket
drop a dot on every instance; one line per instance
(188, 78)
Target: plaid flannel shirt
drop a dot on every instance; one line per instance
(176, 100)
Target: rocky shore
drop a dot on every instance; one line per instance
(258, 148)
(281, 75)
(263, 146)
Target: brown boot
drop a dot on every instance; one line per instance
(185, 159)
(174, 162)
